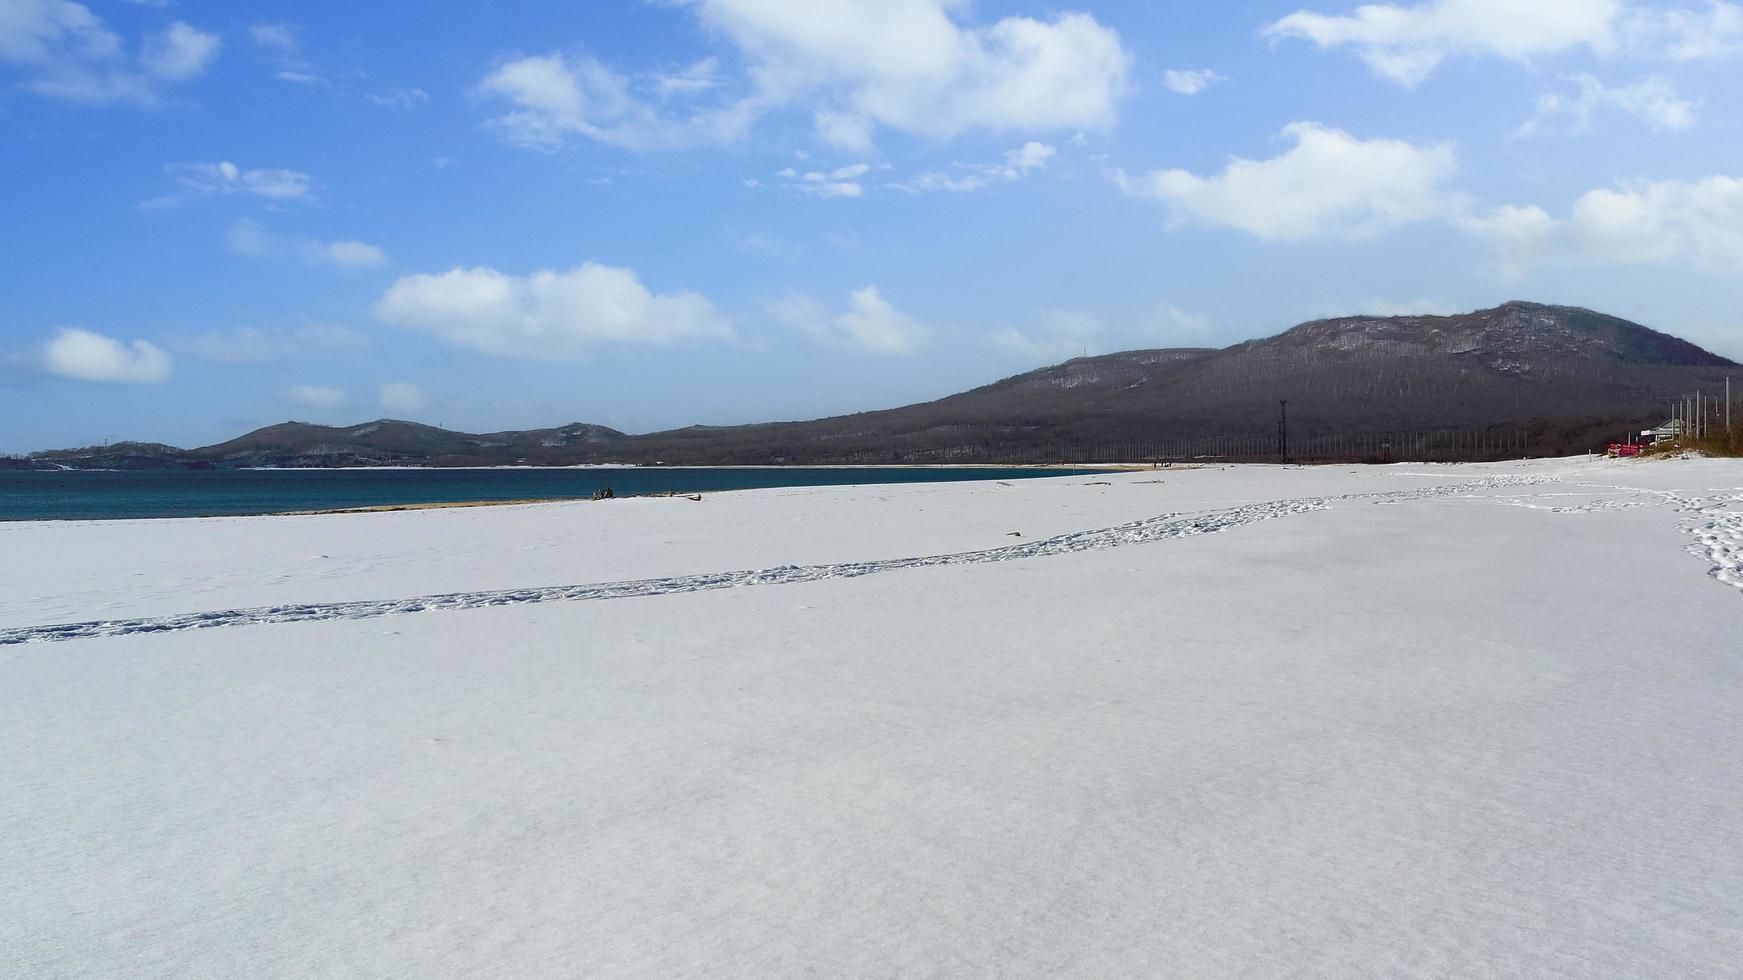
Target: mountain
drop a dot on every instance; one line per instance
(1519, 378)
(390, 441)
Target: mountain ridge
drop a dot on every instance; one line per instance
(1550, 376)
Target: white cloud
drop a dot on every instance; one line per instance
(68, 53)
(280, 38)
(1059, 335)
(87, 356)
(402, 397)
(912, 65)
(868, 324)
(549, 314)
(1017, 164)
(349, 254)
(256, 345)
(400, 98)
(1421, 307)
(1329, 184)
(840, 182)
(1407, 43)
(1652, 100)
(693, 79)
(179, 52)
(843, 181)
(831, 188)
(1520, 236)
(282, 45)
(1189, 81)
(1645, 222)
(1028, 157)
(855, 65)
(207, 179)
(252, 239)
(316, 396)
(554, 97)
(1701, 32)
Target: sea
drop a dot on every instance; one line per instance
(116, 495)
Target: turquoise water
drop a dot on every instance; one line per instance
(63, 495)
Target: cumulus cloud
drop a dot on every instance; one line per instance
(316, 396)
(86, 356)
(258, 345)
(1644, 222)
(1189, 81)
(855, 65)
(868, 324)
(66, 52)
(1328, 184)
(1017, 164)
(402, 397)
(1653, 100)
(548, 314)
(252, 239)
(912, 65)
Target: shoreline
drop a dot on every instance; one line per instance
(1045, 471)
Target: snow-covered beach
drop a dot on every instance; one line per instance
(1413, 720)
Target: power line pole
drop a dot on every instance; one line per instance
(1283, 429)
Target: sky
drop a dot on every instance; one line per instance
(655, 213)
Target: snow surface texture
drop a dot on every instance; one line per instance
(1404, 721)
(1137, 532)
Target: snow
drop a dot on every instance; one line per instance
(1247, 721)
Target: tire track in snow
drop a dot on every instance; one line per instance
(1163, 527)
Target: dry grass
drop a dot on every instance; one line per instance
(1717, 443)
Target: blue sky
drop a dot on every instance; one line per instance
(652, 214)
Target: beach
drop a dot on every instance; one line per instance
(1407, 720)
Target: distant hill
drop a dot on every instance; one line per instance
(390, 440)
(1519, 378)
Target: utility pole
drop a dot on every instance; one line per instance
(1283, 429)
